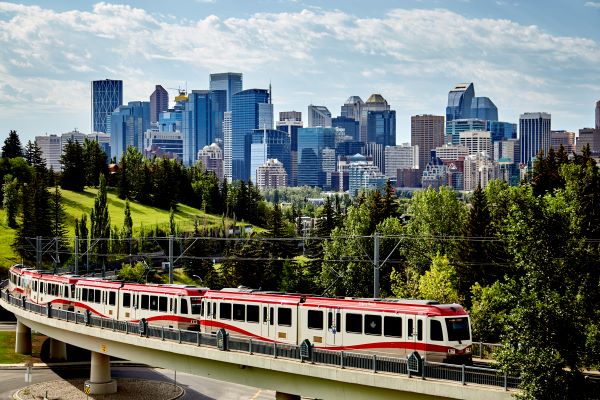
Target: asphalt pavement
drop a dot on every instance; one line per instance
(195, 387)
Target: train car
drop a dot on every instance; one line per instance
(243, 312)
(98, 296)
(439, 332)
(41, 287)
(172, 306)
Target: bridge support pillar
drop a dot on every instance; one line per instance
(286, 396)
(22, 339)
(58, 350)
(100, 382)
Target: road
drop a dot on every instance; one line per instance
(195, 387)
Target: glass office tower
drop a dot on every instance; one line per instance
(311, 143)
(107, 95)
(230, 82)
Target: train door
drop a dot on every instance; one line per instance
(210, 315)
(268, 321)
(334, 336)
(416, 334)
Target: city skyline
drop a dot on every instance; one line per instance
(311, 52)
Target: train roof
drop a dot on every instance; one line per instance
(178, 290)
(254, 296)
(99, 283)
(424, 307)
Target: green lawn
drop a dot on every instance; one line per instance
(7, 348)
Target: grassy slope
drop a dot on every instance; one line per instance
(7, 348)
(77, 204)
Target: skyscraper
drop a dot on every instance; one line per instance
(127, 127)
(159, 102)
(353, 108)
(269, 144)
(196, 124)
(350, 126)
(311, 142)
(107, 95)
(598, 115)
(501, 130)
(250, 109)
(375, 102)
(290, 122)
(459, 102)
(381, 127)
(427, 132)
(318, 116)
(227, 148)
(230, 82)
(534, 134)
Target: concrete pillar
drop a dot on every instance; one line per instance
(58, 350)
(100, 382)
(22, 339)
(286, 396)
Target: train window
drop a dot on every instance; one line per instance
(354, 323)
(265, 315)
(196, 305)
(184, 306)
(419, 329)
(162, 304)
(35, 286)
(338, 319)
(271, 316)
(252, 313)
(284, 316)
(126, 299)
(411, 325)
(225, 310)
(84, 294)
(239, 312)
(73, 291)
(154, 303)
(435, 330)
(97, 295)
(315, 319)
(214, 311)
(145, 302)
(392, 326)
(458, 329)
(373, 324)
(112, 298)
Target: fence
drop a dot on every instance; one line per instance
(360, 361)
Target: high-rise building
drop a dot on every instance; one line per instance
(211, 158)
(479, 170)
(311, 142)
(196, 124)
(271, 175)
(403, 156)
(159, 102)
(51, 150)
(455, 127)
(163, 144)
(250, 109)
(451, 152)
(363, 174)
(107, 95)
(500, 130)
(267, 144)
(318, 116)
(381, 127)
(591, 137)
(350, 125)
(564, 138)
(227, 146)
(598, 115)
(353, 108)
(534, 134)
(427, 132)
(290, 122)
(462, 104)
(478, 142)
(74, 136)
(375, 102)
(127, 127)
(230, 82)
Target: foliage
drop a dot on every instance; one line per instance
(440, 282)
(95, 162)
(10, 190)
(73, 175)
(34, 157)
(12, 146)
(57, 214)
(132, 273)
(489, 310)
(100, 221)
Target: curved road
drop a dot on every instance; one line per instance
(195, 387)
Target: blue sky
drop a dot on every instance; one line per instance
(525, 55)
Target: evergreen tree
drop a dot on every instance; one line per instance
(327, 221)
(10, 190)
(57, 215)
(172, 225)
(123, 188)
(35, 157)
(12, 146)
(100, 221)
(73, 176)
(389, 205)
(127, 221)
(95, 162)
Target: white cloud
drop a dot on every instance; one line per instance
(593, 4)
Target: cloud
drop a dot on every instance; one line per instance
(593, 4)
(45, 54)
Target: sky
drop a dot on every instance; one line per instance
(525, 55)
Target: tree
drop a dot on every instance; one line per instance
(35, 157)
(95, 162)
(57, 215)
(440, 282)
(135, 273)
(10, 190)
(73, 176)
(123, 188)
(127, 221)
(12, 146)
(100, 221)
(172, 225)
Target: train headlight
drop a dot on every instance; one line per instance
(451, 351)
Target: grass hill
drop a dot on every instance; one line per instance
(76, 204)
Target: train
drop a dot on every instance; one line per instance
(390, 327)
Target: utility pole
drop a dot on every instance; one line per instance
(170, 259)
(76, 255)
(38, 252)
(376, 265)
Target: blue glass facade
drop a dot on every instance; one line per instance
(218, 100)
(107, 95)
(484, 108)
(501, 130)
(127, 127)
(381, 127)
(462, 104)
(266, 144)
(350, 125)
(455, 127)
(196, 124)
(344, 149)
(248, 109)
(230, 82)
(311, 142)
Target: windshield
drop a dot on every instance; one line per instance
(196, 305)
(458, 329)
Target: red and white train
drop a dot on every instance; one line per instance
(394, 327)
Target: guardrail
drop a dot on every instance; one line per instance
(362, 361)
(485, 351)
